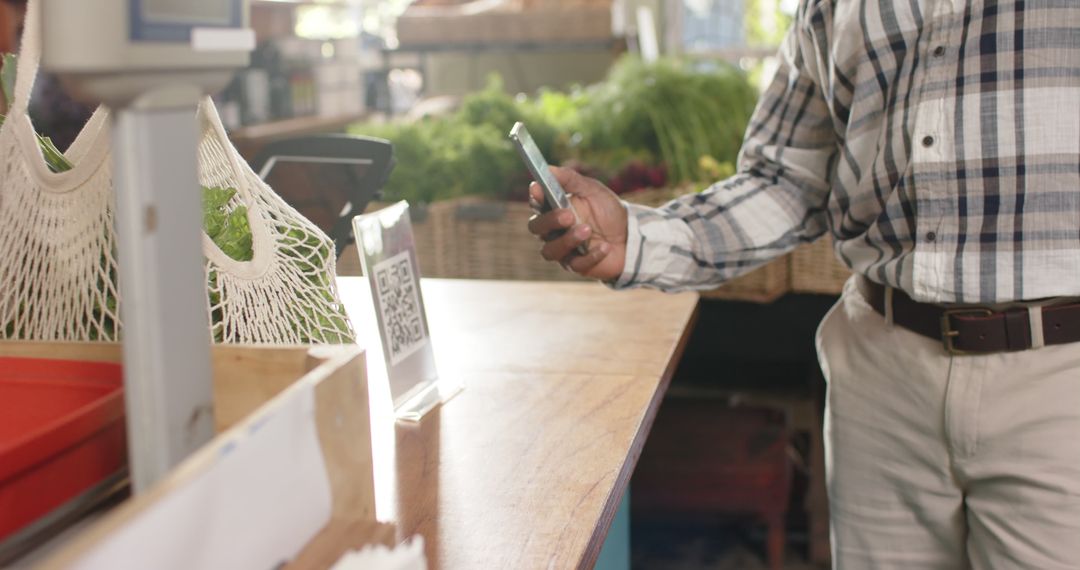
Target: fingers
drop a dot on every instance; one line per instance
(569, 178)
(582, 264)
(536, 197)
(544, 224)
(574, 183)
(563, 246)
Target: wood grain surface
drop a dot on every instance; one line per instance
(525, 467)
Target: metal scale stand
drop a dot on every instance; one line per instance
(150, 62)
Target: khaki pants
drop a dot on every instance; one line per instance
(946, 462)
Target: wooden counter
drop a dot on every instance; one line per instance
(526, 467)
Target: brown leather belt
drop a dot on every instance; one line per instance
(975, 330)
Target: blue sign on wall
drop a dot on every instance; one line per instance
(173, 20)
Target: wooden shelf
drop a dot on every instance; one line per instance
(307, 2)
(554, 45)
(291, 127)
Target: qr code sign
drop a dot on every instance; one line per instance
(399, 305)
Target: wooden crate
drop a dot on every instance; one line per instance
(250, 383)
(762, 285)
(505, 21)
(532, 5)
(704, 455)
(471, 22)
(705, 458)
(568, 23)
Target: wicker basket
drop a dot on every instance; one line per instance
(424, 235)
(762, 285)
(816, 269)
(477, 238)
(473, 238)
(428, 248)
(427, 221)
(487, 239)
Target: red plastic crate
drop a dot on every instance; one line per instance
(61, 433)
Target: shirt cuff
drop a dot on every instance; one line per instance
(634, 245)
(651, 238)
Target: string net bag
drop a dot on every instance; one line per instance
(282, 289)
(58, 271)
(269, 270)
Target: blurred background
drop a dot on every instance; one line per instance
(651, 97)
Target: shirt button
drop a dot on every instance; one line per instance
(928, 141)
(939, 51)
(931, 236)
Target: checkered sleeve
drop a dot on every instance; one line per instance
(776, 201)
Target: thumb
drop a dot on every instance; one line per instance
(573, 182)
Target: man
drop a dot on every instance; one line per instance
(53, 112)
(11, 16)
(938, 141)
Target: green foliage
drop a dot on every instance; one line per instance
(493, 107)
(466, 153)
(229, 230)
(53, 157)
(441, 159)
(310, 256)
(562, 110)
(7, 77)
(670, 113)
(669, 109)
(765, 22)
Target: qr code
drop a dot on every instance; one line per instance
(399, 307)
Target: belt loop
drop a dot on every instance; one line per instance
(889, 305)
(1035, 317)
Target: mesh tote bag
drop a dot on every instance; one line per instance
(57, 272)
(269, 270)
(284, 291)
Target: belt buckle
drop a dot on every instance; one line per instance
(947, 332)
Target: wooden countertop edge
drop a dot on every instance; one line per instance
(622, 480)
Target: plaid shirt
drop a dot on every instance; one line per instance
(938, 141)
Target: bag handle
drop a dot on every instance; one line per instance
(29, 58)
(263, 242)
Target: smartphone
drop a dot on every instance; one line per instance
(554, 195)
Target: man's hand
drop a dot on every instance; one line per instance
(603, 224)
